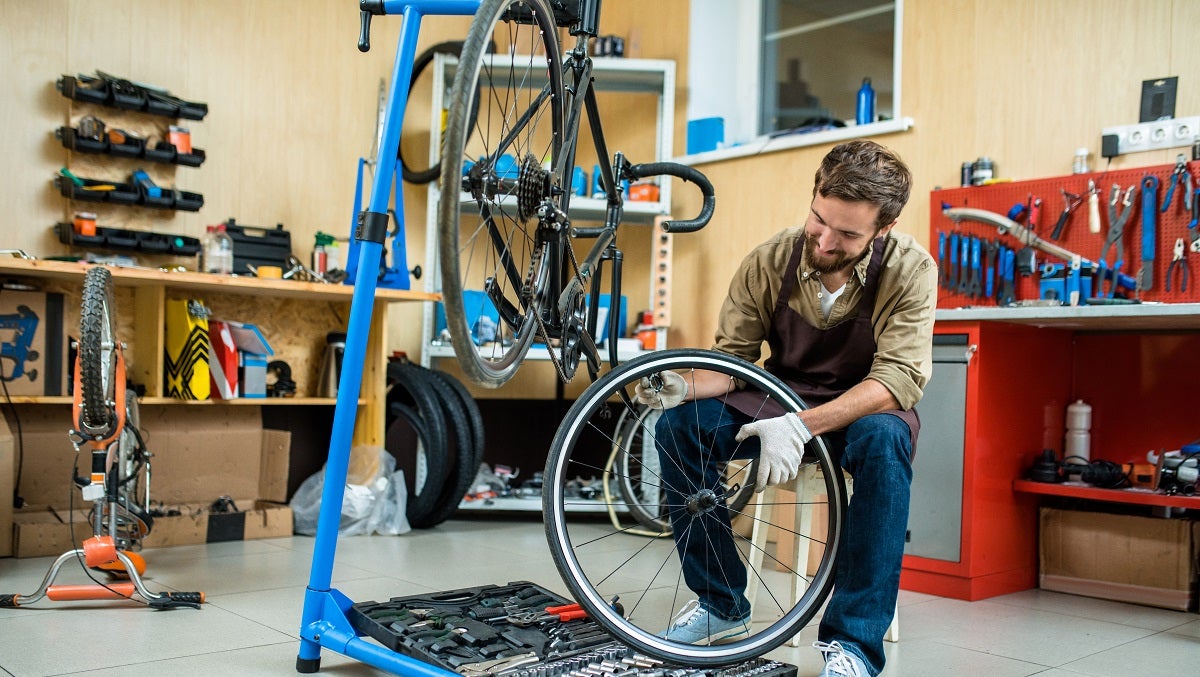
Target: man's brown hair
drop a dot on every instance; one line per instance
(864, 171)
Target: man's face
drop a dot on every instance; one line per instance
(837, 233)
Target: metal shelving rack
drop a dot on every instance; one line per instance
(653, 77)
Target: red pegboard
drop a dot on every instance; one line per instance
(1076, 237)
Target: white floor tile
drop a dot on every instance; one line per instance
(256, 589)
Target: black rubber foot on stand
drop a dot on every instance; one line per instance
(308, 666)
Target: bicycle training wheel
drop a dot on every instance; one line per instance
(602, 564)
(636, 471)
(97, 353)
(500, 165)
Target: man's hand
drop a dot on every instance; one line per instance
(782, 440)
(669, 393)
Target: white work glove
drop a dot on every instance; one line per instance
(782, 440)
(674, 388)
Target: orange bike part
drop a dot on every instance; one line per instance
(73, 593)
(99, 550)
(116, 567)
(118, 397)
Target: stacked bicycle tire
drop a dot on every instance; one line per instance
(435, 432)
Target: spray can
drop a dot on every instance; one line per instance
(864, 112)
(1079, 431)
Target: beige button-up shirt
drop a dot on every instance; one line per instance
(902, 320)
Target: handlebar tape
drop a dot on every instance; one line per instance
(687, 174)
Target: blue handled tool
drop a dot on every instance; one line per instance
(953, 262)
(975, 287)
(1145, 276)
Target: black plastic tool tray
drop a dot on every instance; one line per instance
(422, 627)
(431, 639)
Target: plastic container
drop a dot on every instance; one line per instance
(864, 111)
(1080, 164)
(218, 251)
(1078, 441)
(646, 332)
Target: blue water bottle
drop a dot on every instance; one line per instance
(865, 112)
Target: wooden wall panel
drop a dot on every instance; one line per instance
(292, 106)
(1023, 82)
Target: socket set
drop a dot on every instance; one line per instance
(519, 630)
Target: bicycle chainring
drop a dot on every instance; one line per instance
(572, 328)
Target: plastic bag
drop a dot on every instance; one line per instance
(378, 507)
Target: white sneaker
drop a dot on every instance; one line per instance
(839, 662)
(695, 625)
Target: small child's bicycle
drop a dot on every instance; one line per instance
(105, 420)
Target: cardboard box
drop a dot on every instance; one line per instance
(1124, 558)
(253, 351)
(214, 452)
(8, 471)
(33, 345)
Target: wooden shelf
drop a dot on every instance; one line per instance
(204, 282)
(1129, 496)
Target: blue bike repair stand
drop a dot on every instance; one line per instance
(325, 622)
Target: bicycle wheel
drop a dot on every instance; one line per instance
(600, 562)
(97, 353)
(636, 473)
(125, 517)
(497, 171)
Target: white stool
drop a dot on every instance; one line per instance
(810, 482)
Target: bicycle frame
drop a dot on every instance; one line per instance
(324, 621)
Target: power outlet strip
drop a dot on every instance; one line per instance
(1155, 135)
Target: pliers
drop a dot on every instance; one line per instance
(1183, 176)
(1179, 258)
(1116, 235)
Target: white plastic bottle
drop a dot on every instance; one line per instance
(1079, 431)
(218, 251)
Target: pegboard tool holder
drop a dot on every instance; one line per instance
(1171, 224)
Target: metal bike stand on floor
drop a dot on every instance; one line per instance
(325, 622)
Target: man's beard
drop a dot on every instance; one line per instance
(840, 261)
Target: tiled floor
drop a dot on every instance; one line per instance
(255, 588)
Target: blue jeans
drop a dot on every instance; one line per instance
(876, 450)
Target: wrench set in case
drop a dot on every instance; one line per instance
(519, 630)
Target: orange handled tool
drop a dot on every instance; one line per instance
(568, 612)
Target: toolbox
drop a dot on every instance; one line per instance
(518, 629)
(254, 246)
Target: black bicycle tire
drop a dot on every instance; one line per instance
(423, 176)
(474, 415)
(634, 503)
(95, 321)
(466, 84)
(595, 603)
(460, 452)
(422, 499)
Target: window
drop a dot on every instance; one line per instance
(770, 67)
(815, 55)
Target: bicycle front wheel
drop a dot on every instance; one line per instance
(97, 354)
(499, 168)
(601, 563)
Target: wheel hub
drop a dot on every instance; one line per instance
(701, 502)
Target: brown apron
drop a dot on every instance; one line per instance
(820, 364)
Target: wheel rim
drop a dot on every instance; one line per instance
(598, 562)
(491, 254)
